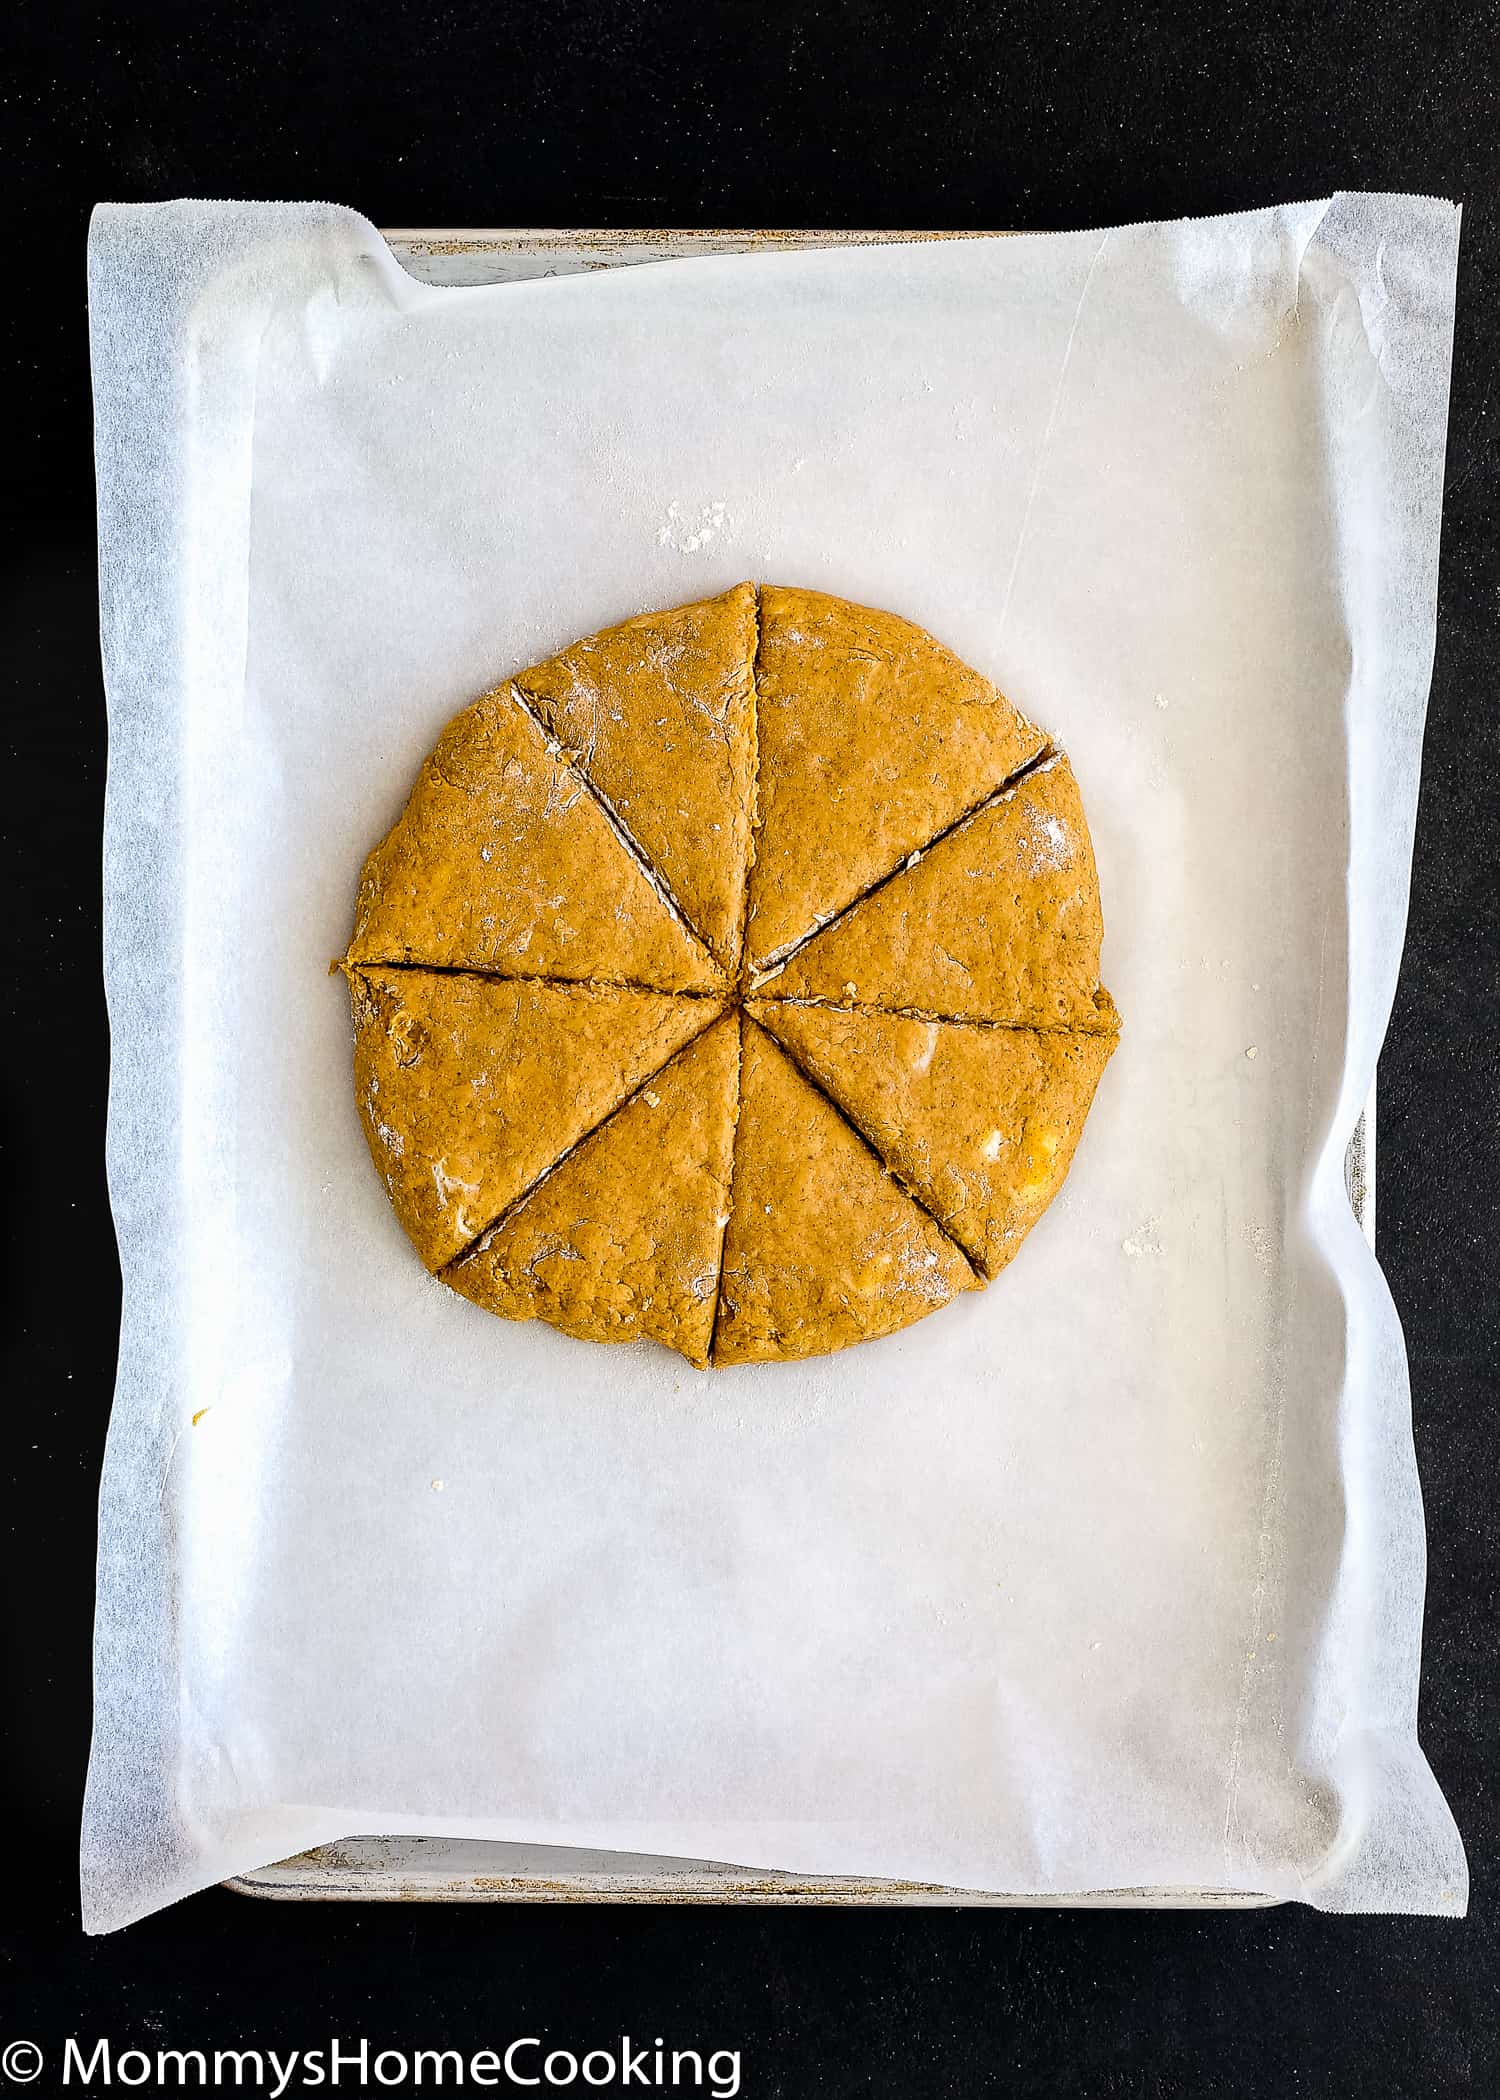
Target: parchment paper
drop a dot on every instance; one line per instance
(1109, 1577)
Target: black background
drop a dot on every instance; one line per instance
(579, 113)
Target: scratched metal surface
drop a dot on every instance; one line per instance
(471, 1870)
(502, 255)
(468, 1870)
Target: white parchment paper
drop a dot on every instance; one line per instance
(1109, 1577)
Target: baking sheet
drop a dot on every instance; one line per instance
(1110, 1580)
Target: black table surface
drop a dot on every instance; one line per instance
(859, 114)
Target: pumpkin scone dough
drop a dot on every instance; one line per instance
(470, 1087)
(980, 1122)
(731, 981)
(503, 861)
(999, 921)
(823, 1247)
(659, 714)
(873, 738)
(621, 1240)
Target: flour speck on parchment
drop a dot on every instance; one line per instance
(691, 531)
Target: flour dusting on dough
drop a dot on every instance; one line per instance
(445, 1183)
(922, 1061)
(1045, 845)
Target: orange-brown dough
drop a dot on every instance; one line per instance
(980, 1122)
(469, 1088)
(770, 804)
(823, 1248)
(999, 921)
(502, 860)
(659, 713)
(622, 1238)
(873, 738)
